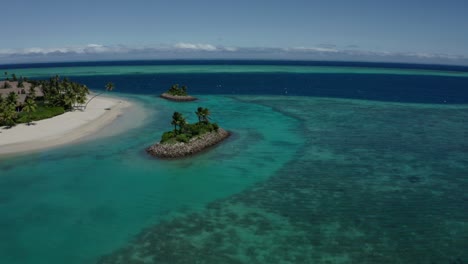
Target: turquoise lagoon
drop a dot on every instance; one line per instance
(303, 179)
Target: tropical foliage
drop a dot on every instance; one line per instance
(178, 120)
(202, 114)
(183, 131)
(62, 92)
(21, 82)
(11, 99)
(7, 113)
(42, 112)
(29, 107)
(109, 86)
(59, 95)
(177, 91)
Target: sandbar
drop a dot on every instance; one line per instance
(63, 129)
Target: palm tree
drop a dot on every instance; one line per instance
(199, 113)
(7, 115)
(20, 82)
(6, 76)
(174, 89)
(32, 92)
(183, 90)
(29, 107)
(178, 120)
(205, 114)
(109, 86)
(12, 98)
(68, 100)
(81, 95)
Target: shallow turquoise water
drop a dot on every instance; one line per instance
(201, 69)
(302, 179)
(78, 202)
(371, 183)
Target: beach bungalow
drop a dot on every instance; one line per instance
(21, 91)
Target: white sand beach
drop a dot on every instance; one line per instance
(62, 129)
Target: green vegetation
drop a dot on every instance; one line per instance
(109, 86)
(11, 99)
(29, 108)
(60, 95)
(42, 112)
(62, 92)
(21, 82)
(32, 92)
(183, 131)
(177, 91)
(7, 113)
(32, 110)
(202, 114)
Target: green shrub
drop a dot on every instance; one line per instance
(167, 136)
(188, 131)
(182, 138)
(42, 112)
(177, 91)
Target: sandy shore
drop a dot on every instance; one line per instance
(62, 129)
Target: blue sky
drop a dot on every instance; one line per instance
(407, 31)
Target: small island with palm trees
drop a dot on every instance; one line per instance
(188, 139)
(178, 93)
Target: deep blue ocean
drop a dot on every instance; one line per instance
(381, 87)
(329, 162)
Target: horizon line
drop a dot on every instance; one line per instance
(192, 60)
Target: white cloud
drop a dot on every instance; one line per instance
(192, 51)
(191, 46)
(87, 49)
(311, 49)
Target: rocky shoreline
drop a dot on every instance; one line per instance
(195, 145)
(178, 98)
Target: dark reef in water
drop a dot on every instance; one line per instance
(348, 196)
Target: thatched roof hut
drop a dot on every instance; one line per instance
(22, 92)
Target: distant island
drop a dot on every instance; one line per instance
(178, 94)
(188, 139)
